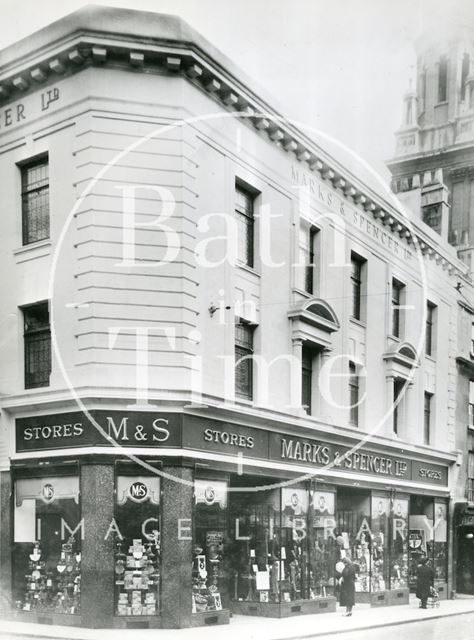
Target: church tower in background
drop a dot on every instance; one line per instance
(433, 167)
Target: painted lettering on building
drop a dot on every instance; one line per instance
(321, 194)
(20, 112)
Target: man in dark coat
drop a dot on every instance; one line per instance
(347, 588)
(424, 581)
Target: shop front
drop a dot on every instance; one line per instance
(142, 520)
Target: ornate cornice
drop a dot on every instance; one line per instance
(82, 49)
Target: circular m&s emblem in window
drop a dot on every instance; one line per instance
(209, 495)
(47, 493)
(138, 491)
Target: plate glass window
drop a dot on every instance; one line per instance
(244, 211)
(138, 547)
(35, 201)
(37, 338)
(47, 545)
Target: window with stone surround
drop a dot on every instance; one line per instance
(244, 212)
(35, 200)
(37, 345)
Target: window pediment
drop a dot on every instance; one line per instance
(317, 313)
(404, 354)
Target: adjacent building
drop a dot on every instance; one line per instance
(433, 173)
(227, 360)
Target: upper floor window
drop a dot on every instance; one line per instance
(398, 386)
(353, 395)
(244, 360)
(470, 476)
(464, 74)
(430, 329)
(307, 379)
(472, 340)
(397, 305)
(423, 89)
(244, 211)
(309, 240)
(427, 418)
(357, 284)
(443, 79)
(37, 339)
(471, 406)
(35, 201)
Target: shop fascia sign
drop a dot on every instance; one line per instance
(176, 430)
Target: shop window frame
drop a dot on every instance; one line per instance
(131, 468)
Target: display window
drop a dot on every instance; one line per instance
(354, 536)
(428, 535)
(322, 544)
(440, 546)
(379, 542)
(210, 591)
(136, 528)
(48, 530)
(293, 537)
(399, 544)
(259, 562)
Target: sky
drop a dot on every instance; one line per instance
(338, 66)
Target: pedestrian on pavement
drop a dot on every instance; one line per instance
(347, 586)
(424, 581)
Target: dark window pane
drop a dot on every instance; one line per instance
(35, 201)
(427, 419)
(397, 390)
(429, 329)
(442, 80)
(309, 274)
(306, 379)
(356, 282)
(37, 344)
(397, 288)
(243, 361)
(353, 394)
(245, 226)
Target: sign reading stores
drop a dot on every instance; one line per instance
(183, 431)
(130, 429)
(341, 458)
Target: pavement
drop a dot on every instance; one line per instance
(250, 627)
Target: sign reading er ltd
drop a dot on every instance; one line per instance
(130, 429)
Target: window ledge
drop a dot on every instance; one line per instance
(359, 323)
(430, 358)
(245, 267)
(33, 250)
